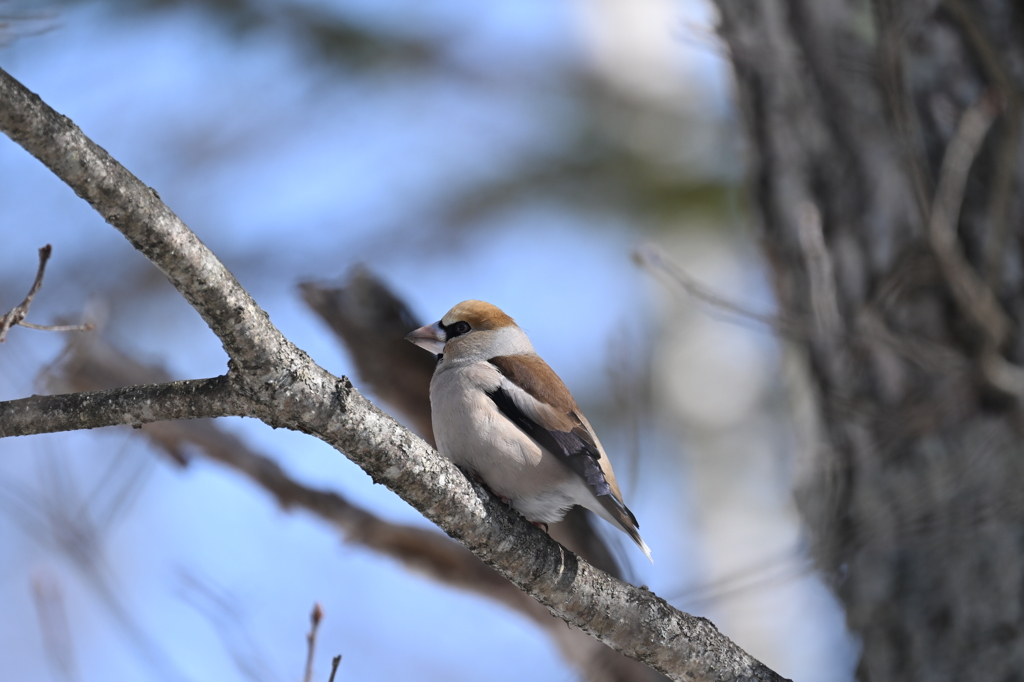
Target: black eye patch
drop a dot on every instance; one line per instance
(455, 329)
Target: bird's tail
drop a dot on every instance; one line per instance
(619, 515)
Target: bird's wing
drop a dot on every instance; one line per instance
(534, 398)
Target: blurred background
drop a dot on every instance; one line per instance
(523, 152)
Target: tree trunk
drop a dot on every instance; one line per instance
(885, 145)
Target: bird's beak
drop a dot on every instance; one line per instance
(430, 338)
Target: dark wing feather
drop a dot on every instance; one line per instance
(575, 447)
(555, 424)
(574, 451)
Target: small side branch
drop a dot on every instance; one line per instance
(335, 662)
(314, 624)
(18, 313)
(654, 259)
(135, 405)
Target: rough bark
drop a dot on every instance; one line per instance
(284, 388)
(885, 158)
(372, 323)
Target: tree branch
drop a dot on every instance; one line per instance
(136, 405)
(286, 389)
(655, 260)
(20, 311)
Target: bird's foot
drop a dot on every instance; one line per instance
(542, 526)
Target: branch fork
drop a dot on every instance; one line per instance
(16, 316)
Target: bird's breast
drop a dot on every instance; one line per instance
(472, 433)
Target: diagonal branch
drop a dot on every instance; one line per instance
(284, 388)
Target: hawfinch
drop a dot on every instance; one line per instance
(502, 414)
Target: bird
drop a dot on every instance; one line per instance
(501, 413)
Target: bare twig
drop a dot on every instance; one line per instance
(314, 619)
(870, 326)
(335, 662)
(654, 259)
(773, 572)
(18, 24)
(87, 327)
(898, 99)
(1002, 374)
(749, 573)
(17, 314)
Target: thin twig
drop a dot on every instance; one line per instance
(87, 327)
(314, 618)
(783, 574)
(1003, 374)
(754, 572)
(134, 405)
(334, 667)
(654, 259)
(18, 313)
(871, 327)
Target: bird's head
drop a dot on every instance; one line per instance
(474, 330)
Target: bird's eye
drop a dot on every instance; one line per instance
(459, 328)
